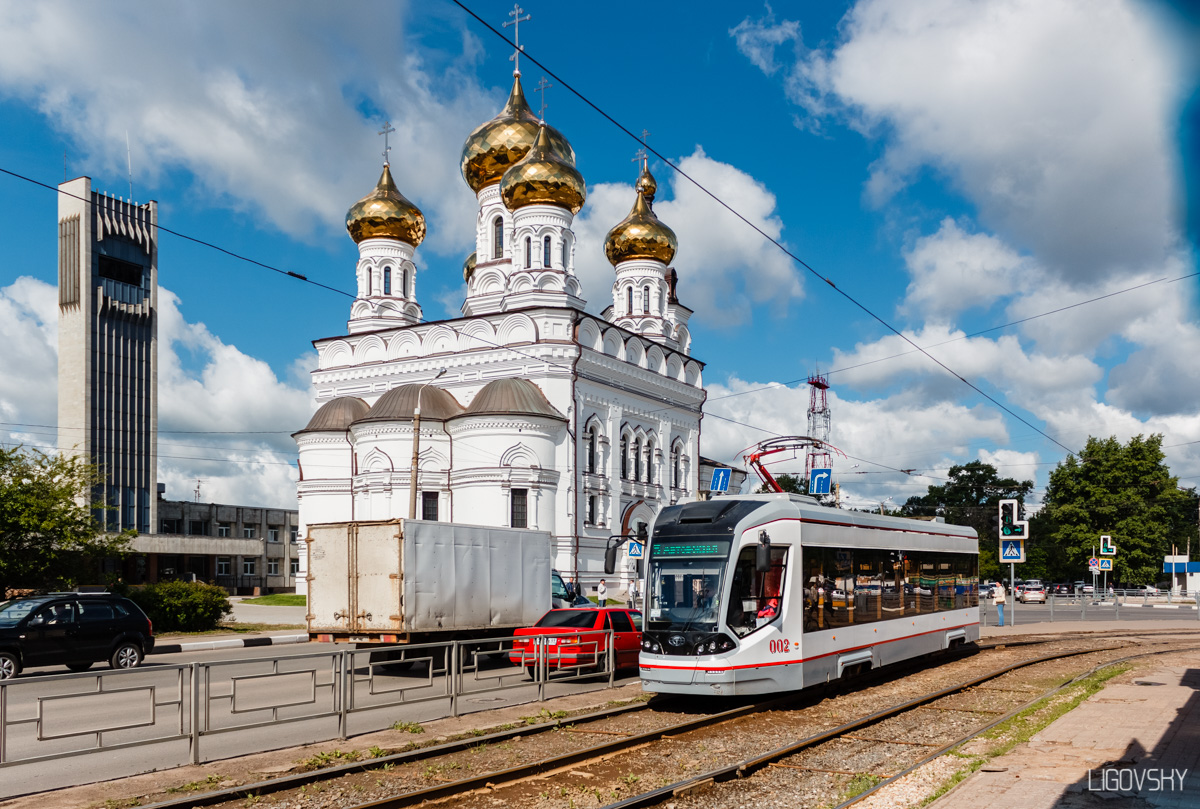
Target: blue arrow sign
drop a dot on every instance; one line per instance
(635, 550)
(720, 480)
(818, 481)
(1011, 550)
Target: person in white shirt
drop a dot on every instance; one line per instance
(602, 593)
(998, 600)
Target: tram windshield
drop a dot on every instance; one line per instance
(685, 584)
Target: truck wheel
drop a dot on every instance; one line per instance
(126, 656)
(9, 666)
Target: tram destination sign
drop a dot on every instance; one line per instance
(661, 549)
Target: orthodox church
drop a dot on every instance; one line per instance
(531, 412)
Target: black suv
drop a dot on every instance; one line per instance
(73, 630)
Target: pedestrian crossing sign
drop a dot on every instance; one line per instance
(1012, 550)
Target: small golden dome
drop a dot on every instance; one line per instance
(646, 184)
(469, 267)
(502, 142)
(641, 234)
(386, 213)
(543, 176)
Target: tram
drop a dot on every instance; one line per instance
(765, 593)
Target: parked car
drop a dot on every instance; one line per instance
(574, 639)
(1088, 590)
(1032, 592)
(73, 630)
(1061, 589)
(1147, 590)
(985, 590)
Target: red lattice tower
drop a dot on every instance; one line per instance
(818, 456)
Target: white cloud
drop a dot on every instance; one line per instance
(253, 98)
(758, 39)
(29, 363)
(1054, 117)
(724, 266)
(227, 423)
(953, 270)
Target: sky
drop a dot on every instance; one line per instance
(1011, 185)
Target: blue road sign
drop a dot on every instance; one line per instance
(1012, 550)
(635, 550)
(1105, 564)
(818, 481)
(720, 480)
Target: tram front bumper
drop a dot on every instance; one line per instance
(674, 676)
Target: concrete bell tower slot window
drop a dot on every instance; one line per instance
(497, 237)
(387, 280)
(546, 252)
(528, 252)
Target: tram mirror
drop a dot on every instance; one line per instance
(610, 560)
(640, 569)
(762, 559)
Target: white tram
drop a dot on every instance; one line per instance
(763, 593)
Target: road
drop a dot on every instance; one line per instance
(1072, 611)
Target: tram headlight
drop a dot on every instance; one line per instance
(651, 645)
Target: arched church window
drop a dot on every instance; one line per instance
(629, 300)
(370, 278)
(675, 468)
(646, 300)
(387, 280)
(637, 459)
(591, 449)
(650, 461)
(404, 283)
(528, 252)
(564, 254)
(624, 457)
(546, 252)
(498, 237)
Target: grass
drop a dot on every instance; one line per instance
(1025, 725)
(322, 760)
(411, 727)
(210, 782)
(279, 600)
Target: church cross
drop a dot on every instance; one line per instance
(640, 156)
(542, 87)
(387, 130)
(516, 21)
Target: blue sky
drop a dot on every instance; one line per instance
(951, 165)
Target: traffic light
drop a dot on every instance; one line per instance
(1010, 526)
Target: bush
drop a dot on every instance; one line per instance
(180, 606)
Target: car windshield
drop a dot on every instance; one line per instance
(11, 612)
(571, 619)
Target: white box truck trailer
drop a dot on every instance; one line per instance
(414, 581)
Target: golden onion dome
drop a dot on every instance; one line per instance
(386, 213)
(641, 234)
(469, 267)
(543, 176)
(502, 142)
(646, 184)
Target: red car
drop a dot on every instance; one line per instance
(575, 638)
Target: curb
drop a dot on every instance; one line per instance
(228, 643)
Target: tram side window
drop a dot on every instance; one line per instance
(756, 599)
(844, 586)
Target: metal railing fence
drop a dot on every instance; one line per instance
(330, 694)
(1111, 606)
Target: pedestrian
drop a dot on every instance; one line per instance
(602, 593)
(633, 593)
(571, 590)
(998, 600)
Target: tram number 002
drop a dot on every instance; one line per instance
(780, 647)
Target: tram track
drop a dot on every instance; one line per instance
(616, 740)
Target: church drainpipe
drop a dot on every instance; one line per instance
(574, 455)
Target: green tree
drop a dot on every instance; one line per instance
(1125, 491)
(972, 497)
(50, 537)
(789, 483)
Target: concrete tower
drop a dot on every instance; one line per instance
(108, 346)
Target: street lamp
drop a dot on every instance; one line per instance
(412, 483)
(882, 503)
(838, 486)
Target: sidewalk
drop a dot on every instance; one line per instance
(246, 614)
(1087, 628)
